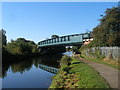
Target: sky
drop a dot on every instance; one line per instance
(37, 21)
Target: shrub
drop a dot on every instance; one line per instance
(65, 60)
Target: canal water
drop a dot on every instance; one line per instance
(28, 73)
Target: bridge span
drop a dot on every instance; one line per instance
(68, 40)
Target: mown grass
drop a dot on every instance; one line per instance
(78, 75)
(108, 62)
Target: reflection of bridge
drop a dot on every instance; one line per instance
(49, 69)
(69, 40)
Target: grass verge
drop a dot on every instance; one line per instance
(76, 74)
(105, 61)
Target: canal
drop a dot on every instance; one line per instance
(28, 73)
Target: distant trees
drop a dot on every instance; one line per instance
(54, 36)
(21, 46)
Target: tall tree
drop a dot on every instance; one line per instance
(107, 33)
(3, 37)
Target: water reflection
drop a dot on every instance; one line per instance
(49, 69)
(26, 65)
(28, 74)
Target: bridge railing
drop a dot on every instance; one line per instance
(76, 38)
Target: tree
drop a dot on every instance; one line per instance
(3, 40)
(107, 33)
(54, 36)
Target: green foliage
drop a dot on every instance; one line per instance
(78, 75)
(91, 44)
(54, 36)
(107, 33)
(65, 68)
(22, 47)
(75, 48)
(65, 60)
(3, 37)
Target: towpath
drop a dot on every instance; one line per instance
(108, 73)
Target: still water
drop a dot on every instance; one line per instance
(28, 74)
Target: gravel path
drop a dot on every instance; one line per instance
(108, 73)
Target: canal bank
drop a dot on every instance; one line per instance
(75, 74)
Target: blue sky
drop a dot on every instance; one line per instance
(38, 20)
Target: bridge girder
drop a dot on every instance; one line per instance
(69, 40)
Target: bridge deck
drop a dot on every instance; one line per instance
(65, 40)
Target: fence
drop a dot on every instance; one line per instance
(107, 52)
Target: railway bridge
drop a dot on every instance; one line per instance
(58, 43)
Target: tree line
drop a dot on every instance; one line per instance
(17, 48)
(107, 33)
(21, 46)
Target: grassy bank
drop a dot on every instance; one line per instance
(106, 61)
(76, 74)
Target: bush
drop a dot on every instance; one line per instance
(65, 60)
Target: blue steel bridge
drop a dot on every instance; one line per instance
(68, 40)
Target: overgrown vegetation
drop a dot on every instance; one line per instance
(107, 33)
(76, 74)
(21, 46)
(17, 49)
